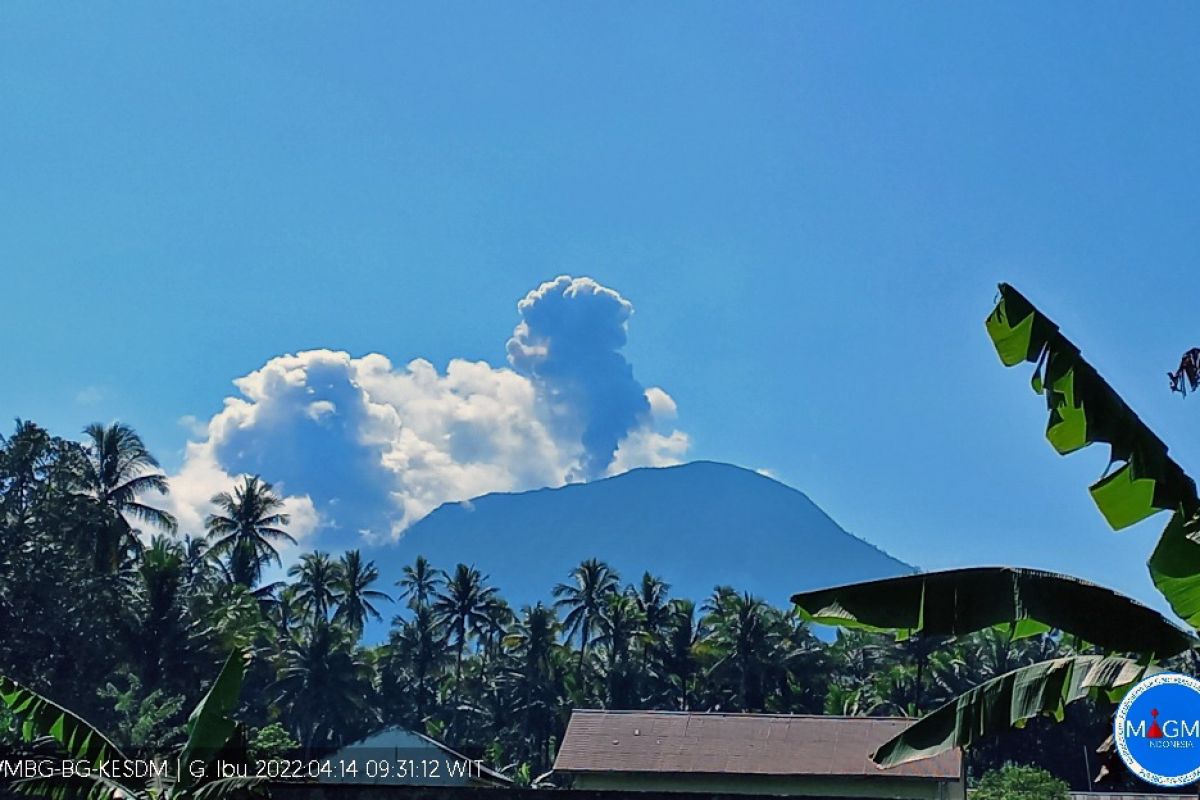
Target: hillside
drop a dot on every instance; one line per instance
(696, 525)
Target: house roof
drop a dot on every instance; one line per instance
(738, 744)
(399, 738)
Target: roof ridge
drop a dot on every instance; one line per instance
(753, 714)
(633, 741)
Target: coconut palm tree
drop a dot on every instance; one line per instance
(118, 471)
(653, 604)
(286, 613)
(353, 593)
(200, 568)
(412, 661)
(317, 578)
(584, 598)
(462, 607)
(741, 633)
(620, 626)
(325, 687)
(678, 649)
(652, 601)
(498, 618)
(536, 680)
(26, 459)
(248, 528)
(161, 623)
(420, 583)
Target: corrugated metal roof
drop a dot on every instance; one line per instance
(402, 740)
(748, 744)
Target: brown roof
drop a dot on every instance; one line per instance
(740, 744)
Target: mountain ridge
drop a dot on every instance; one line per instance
(697, 525)
(703, 462)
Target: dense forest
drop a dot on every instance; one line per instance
(108, 609)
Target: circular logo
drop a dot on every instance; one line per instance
(1157, 729)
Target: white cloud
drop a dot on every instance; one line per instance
(90, 396)
(371, 447)
(662, 405)
(200, 478)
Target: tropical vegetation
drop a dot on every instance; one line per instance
(1125, 640)
(110, 611)
(1019, 782)
(127, 632)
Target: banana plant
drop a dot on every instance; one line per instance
(1021, 603)
(211, 731)
(1141, 479)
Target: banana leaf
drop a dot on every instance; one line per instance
(1175, 566)
(210, 728)
(1010, 700)
(211, 725)
(1142, 478)
(41, 717)
(91, 787)
(1022, 602)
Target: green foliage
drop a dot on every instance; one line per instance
(1014, 782)
(1085, 409)
(248, 525)
(40, 717)
(272, 742)
(1009, 701)
(458, 663)
(209, 733)
(210, 726)
(1021, 602)
(9, 736)
(146, 722)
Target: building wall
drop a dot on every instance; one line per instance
(874, 786)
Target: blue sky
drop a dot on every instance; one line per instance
(808, 207)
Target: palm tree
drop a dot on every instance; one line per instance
(537, 688)
(354, 594)
(412, 662)
(620, 624)
(584, 599)
(248, 529)
(25, 459)
(679, 648)
(325, 686)
(462, 606)
(498, 617)
(161, 624)
(317, 578)
(117, 471)
(200, 567)
(743, 636)
(286, 613)
(652, 603)
(419, 584)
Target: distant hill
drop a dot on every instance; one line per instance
(696, 525)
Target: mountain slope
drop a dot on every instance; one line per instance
(696, 525)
